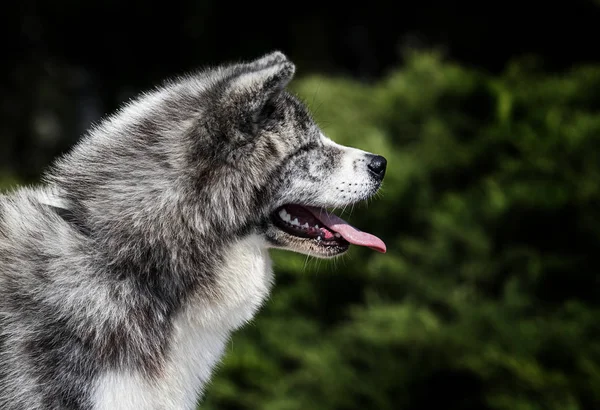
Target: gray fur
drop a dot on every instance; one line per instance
(128, 228)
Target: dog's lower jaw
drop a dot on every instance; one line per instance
(201, 331)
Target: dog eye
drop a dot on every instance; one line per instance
(305, 148)
(267, 111)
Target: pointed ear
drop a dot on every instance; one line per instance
(269, 59)
(259, 81)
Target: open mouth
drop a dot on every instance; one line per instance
(324, 229)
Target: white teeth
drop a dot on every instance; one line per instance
(284, 215)
(337, 235)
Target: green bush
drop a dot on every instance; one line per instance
(488, 297)
(7, 182)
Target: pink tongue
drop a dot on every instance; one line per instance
(348, 232)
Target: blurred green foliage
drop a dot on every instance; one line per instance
(7, 182)
(488, 297)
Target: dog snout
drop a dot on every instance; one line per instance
(377, 165)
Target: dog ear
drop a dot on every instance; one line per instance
(258, 82)
(267, 60)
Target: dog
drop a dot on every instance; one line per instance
(124, 272)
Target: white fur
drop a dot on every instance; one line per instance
(347, 172)
(351, 182)
(200, 334)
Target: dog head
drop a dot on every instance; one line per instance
(296, 172)
(213, 156)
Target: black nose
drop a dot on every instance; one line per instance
(377, 165)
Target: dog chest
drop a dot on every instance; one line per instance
(200, 334)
